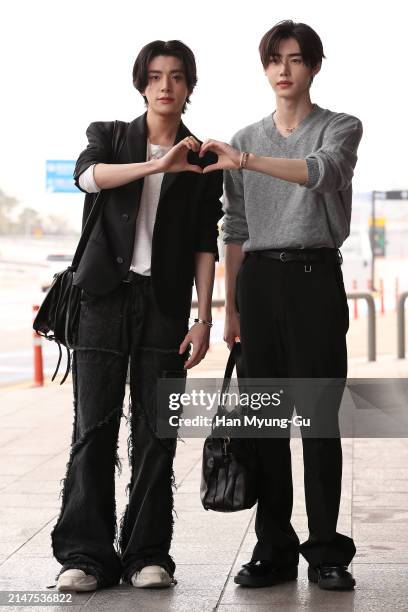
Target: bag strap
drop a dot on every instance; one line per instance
(234, 361)
(96, 206)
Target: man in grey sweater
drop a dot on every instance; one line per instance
(287, 211)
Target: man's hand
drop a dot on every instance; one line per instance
(199, 336)
(175, 160)
(228, 157)
(232, 328)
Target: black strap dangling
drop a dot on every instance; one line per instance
(59, 361)
(68, 367)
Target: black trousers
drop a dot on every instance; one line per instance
(113, 327)
(293, 325)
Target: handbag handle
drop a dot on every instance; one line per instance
(90, 222)
(234, 361)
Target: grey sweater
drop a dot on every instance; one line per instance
(263, 212)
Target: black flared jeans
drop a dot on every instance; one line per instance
(113, 328)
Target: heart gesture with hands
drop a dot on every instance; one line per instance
(228, 157)
(176, 160)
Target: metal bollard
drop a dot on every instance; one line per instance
(38, 358)
(371, 340)
(382, 306)
(401, 324)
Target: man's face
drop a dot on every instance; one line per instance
(287, 74)
(166, 89)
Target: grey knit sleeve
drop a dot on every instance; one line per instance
(234, 227)
(331, 167)
(313, 172)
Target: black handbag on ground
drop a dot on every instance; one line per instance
(229, 465)
(58, 316)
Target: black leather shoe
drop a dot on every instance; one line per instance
(264, 573)
(332, 577)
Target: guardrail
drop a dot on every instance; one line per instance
(401, 324)
(355, 295)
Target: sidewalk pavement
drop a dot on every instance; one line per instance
(208, 547)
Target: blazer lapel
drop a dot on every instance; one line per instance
(137, 139)
(170, 177)
(136, 149)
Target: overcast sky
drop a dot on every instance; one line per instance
(64, 65)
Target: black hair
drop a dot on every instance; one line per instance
(173, 48)
(311, 46)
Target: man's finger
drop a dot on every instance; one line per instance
(191, 168)
(206, 142)
(229, 339)
(184, 345)
(192, 361)
(195, 143)
(187, 144)
(195, 358)
(212, 167)
(208, 145)
(203, 353)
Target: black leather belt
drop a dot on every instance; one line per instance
(304, 255)
(136, 279)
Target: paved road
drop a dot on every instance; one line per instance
(208, 547)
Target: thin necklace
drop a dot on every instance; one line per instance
(158, 154)
(288, 129)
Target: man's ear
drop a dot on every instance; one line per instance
(316, 69)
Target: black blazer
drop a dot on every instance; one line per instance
(186, 222)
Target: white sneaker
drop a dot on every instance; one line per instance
(76, 580)
(152, 576)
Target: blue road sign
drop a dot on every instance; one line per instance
(60, 176)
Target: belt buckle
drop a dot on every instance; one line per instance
(282, 256)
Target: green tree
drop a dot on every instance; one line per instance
(7, 205)
(28, 221)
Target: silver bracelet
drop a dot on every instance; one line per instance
(243, 160)
(208, 323)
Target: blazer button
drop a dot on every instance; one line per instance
(119, 259)
(125, 217)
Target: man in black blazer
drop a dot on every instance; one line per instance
(156, 232)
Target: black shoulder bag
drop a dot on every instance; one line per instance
(58, 316)
(229, 465)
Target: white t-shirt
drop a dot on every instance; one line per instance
(142, 248)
